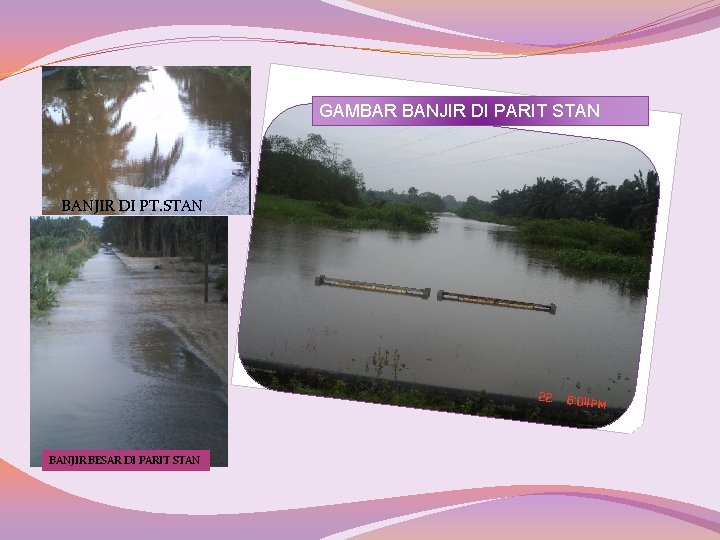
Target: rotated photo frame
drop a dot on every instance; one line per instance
(529, 294)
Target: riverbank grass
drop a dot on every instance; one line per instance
(334, 215)
(373, 389)
(54, 260)
(586, 246)
(592, 247)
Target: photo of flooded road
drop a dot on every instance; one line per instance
(176, 135)
(128, 335)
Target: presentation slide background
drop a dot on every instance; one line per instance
(295, 452)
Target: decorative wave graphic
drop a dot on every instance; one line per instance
(508, 512)
(511, 28)
(542, 24)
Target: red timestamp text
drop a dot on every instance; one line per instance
(545, 397)
(586, 401)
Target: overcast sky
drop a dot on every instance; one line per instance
(95, 220)
(463, 161)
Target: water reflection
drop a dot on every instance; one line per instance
(165, 133)
(208, 97)
(84, 137)
(153, 171)
(538, 260)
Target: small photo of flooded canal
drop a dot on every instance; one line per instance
(128, 334)
(484, 271)
(177, 138)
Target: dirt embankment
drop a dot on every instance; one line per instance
(174, 289)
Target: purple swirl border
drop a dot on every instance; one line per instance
(514, 511)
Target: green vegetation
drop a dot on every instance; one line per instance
(588, 246)
(170, 236)
(201, 239)
(373, 389)
(76, 78)
(305, 181)
(587, 226)
(58, 248)
(590, 227)
(631, 205)
(572, 233)
(238, 73)
(474, 208)
(339, 216)
(431, 202)
(81, 77)
(632, 271)
(381, 360)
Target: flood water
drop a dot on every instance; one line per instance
(108, 374)
(168, 134)
(590, 347)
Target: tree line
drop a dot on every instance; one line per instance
(168, 236)
(630, 205)
(308, 169)
(429, 201)
(312, 169)
(203, 239)
(71, 230)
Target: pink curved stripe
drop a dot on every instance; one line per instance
(25, 37)
(23, 498)
(545, 24)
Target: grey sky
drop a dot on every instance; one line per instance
(95, 220)
(463, 161)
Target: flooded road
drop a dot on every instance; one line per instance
(167, 134)
(109, 373)
(590, 347)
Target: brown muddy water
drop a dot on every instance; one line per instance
(169, 134)
(108, 372)
(590, 347)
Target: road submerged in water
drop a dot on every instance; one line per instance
(110, 369)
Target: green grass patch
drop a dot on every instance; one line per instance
(54, 260)
(633, 270)
(334, 215)
(392, 392)
(592, 247)
(42, 295)
(587, 246)
(572, 233)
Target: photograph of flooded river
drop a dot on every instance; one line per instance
(591, 346)
(127, 355)
(526, 301)
(146, 133)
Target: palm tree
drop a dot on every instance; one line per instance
(644, 214)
